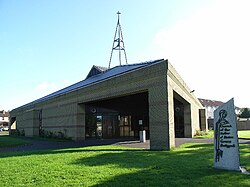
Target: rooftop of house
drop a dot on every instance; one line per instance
(4, 113)
(212, 103)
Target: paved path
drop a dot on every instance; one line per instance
(45, 145)
(178, 142)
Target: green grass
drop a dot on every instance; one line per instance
(188, 165)
(8, 141)
(244, 134)
(4, 132)
(210, 134)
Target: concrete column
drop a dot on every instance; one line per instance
(30, 123)
(187, 121)
(171, 117)
(203, 120)
(159, 118)
(80, 123)
(36, 122)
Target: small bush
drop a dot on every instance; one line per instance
(204, 134)
(200, 133)
(17, 132)
(55, 135)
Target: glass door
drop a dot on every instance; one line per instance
(125, 126)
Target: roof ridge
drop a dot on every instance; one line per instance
(109, 73)
(100, 67)
(140, 63)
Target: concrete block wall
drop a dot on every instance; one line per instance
(191, 113)
(28, 120)
(66, 113)
(158, 116)
(243, 124)
(203, 120)
(59, 117)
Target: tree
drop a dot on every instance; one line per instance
(245, 113)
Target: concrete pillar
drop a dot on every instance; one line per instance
(36, 122)
(80, 123)
(171, 127)
(203, 120)
(187, 121)
(159, 118)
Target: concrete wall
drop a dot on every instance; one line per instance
(203, 120)
(243, 124)
(191, 103)
(66, 113)
(28, 121)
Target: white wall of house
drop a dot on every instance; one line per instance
(210, 111)
(4, 120)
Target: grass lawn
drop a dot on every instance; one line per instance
(244, 134)
(210, 134)
(8, 141)
(4, 132)
(188, 165)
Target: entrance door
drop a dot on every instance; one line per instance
(179, 118)
(109, 126)
(125, 126)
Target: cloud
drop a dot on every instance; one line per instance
(47, 86)
(211, 50)
(43, 86)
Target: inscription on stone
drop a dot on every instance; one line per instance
(226, 146)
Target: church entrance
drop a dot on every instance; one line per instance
(117, 117)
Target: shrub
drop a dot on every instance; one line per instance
(56, 135)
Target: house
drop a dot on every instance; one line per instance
(211, 106)
(4, 119)
(118, 103)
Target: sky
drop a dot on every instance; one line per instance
(48, 45)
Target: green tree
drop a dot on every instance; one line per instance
(245, 113)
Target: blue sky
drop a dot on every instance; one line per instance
(47, 45)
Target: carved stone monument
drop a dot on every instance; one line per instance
(226, 145)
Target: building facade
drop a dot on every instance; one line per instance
(4, 119)
(210, 106)
(118, 103)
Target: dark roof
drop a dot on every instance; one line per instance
(107, 74)
(211, 103)
(101, 68)
(96, 70)
(4, 114)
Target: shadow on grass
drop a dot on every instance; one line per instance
(38, 146)
(189, 166)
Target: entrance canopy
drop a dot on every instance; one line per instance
(117, 117)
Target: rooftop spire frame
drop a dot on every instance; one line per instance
(118, 43)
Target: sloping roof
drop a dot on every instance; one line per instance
(101, 68)
(211, 103)
(96, 70)
(113, 72)
(4, 114)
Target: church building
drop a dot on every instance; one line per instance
(118, 103)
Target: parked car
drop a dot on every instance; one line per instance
(5, 128)
(1, 128)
